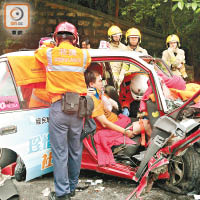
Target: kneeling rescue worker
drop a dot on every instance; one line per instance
(65, 65)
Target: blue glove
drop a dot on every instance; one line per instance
(125, 111)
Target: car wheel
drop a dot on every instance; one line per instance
(20, 170)
(184, 172)
(7, 157)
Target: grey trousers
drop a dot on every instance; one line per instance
(65, 131)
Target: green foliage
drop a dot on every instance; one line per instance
(181, 17)
(188, 4)
(152, 14)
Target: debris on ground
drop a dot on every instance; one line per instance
(46, 192)
(94, 182)
(8, 190)
(99, 189)
(3, 178)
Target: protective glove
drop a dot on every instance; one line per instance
(125, 111)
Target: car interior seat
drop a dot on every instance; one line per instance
(153, 113)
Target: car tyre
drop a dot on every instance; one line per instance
(7, 157)
(20, 170)
(184, 173)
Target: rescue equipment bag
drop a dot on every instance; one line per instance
(70, 102)
(86, 106)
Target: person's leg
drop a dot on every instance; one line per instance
(75, 151)
(58, 128)
(137, 127)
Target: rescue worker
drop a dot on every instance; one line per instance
(40, 96)
(133, 39)
(65, 65)
(114, 37)
(131, 92)
(175, 57)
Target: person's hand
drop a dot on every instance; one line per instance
(129, 133)
(114, 104)
(180, 66)
(125, 111)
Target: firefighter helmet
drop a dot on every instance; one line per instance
(138, 86)
(66, 27)
(133, 32)
(114, 30)
(172, 38)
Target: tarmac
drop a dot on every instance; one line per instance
(99, 187)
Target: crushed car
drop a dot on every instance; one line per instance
(171, 154)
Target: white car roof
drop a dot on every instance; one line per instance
(95, 53)
(113, 52)
(18, 53)
(118, 53)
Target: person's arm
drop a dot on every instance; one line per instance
(108, 124)
(165, 57)
(41, 55)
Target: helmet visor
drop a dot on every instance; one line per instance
(117, 34)
(133, 36)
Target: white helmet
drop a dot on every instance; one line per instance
(138, 86)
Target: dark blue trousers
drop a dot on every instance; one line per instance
(65, 131)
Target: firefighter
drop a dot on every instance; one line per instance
(131, 92)
(133, 39)
(174, 56)
(65, 65)
(114, 37)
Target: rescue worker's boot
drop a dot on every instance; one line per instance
(52, 196)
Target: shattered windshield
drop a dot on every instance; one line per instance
(174, 88)
(175, 97)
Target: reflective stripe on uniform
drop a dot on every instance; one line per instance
(65, 68)
(84, 58)
(49, 56)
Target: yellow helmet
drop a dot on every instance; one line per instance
(172, 38)
(114, 30)
(133, 32)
